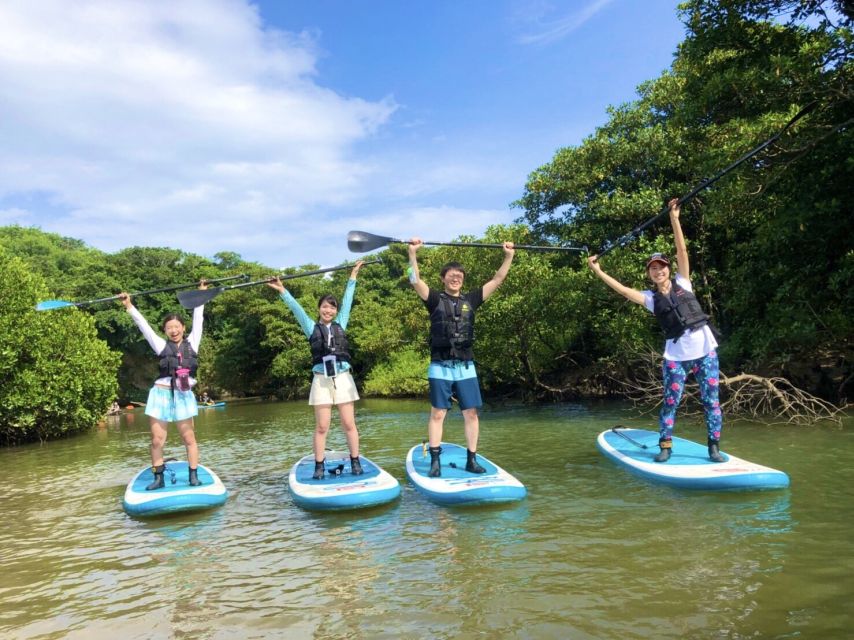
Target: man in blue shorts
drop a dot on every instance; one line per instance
(452, 371)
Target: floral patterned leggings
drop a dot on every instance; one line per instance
(706, 372)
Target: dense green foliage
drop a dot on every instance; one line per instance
(770, 245)
(56, 376)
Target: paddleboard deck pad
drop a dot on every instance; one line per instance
(689, 466)
(177, 495)
(456, 486)
(340, 489)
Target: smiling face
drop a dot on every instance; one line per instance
(658, 272)
(174, 330)
(453, 281)
(327, 312)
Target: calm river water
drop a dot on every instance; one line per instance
(592, 552)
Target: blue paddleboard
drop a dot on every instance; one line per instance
(177, 495)
(689, 466)
(456, 486)
(340, 489)
(211, 406)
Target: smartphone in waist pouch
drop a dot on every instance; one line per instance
(330, 366)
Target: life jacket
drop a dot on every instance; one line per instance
(452, 329)
(174, 357)
(677, 311)
(322, 346)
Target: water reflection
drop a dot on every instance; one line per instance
(591, 553)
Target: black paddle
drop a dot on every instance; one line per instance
(198, 297)
(623, 435)
(635, 233)
(362, 242)
(60, 304)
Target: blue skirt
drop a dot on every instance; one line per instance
(168, 407)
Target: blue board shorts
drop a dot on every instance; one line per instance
(454, 378)
(164, 406)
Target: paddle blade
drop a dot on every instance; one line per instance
(362, 241)
(197, 297)
(47, 305)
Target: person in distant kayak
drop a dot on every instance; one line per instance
(691, 346)
(452, 372)
(332, 382)
(171, 398)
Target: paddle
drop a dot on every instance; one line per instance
(60, 304)
(635, 233)
(198, 297)
(362, 242)
(623, 435)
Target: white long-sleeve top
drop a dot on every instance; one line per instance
(159, 344)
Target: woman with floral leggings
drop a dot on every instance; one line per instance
(691, 346)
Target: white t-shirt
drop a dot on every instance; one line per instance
(692, 344)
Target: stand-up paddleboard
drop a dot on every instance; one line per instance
(211, 406)
(339, 488)
(689, 466)
(456, 486)
(177, 495)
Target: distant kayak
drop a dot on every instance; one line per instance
(456, 486)
(689, 466)
(212, 405)
(340, 489)
(177, 495)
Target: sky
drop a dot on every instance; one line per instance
(272, 128)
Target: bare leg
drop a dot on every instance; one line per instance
(158, 440)
(472, 428)
(435, 424)
(188, 435)
(347, 413)
(322, 419)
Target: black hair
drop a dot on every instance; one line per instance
(452, 265)
(330, 299)
(172, 316)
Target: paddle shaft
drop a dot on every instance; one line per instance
(192, 299)
(634, 233)
(148, 292)
(623, 435)
(362, 241)
(492, 245)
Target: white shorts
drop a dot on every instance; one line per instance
(337, 390)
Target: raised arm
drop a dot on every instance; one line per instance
(490, 287)
(679, 240)
(305, 322)
(195, 337)
(156, 343)
(627, 292)
(419, 285)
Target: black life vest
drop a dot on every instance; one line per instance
(452, 329)
(174, 357)
(677, 311)
(322, 346)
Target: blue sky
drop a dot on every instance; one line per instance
(272, 128)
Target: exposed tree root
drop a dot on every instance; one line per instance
(744, 395)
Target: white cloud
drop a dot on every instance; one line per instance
(142, 120)
(15, 215)
(543, 31)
